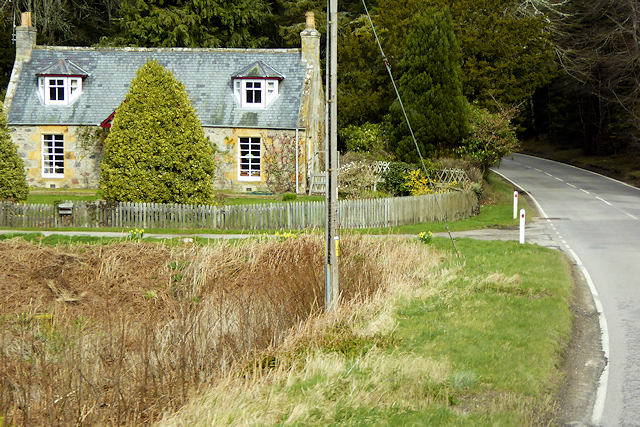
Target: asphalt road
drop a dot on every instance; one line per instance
(597, 220)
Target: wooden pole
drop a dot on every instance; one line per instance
(332, 292)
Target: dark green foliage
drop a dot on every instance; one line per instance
(13, 180)
(394, 181)
(290, 15)
(431, 90)
(365, 92)
(7, 52)
(156, 150)
(196, 23)
(506, 55)
(289, 197)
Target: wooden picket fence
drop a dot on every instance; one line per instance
(366, 213)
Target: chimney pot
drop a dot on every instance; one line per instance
(311, 21)
(25, 19)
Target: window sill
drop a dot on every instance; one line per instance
(250, 178)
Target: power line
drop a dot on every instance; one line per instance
(395, 88)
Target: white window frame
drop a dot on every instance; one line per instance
(268, 92)
(249, 159)
(252, 89)
(69, 89)
(52, 156)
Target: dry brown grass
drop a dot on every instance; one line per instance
(124, 333)
(313, 374)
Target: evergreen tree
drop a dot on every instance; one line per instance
(365, 92)
(507, 54)
(156, 150)
(7, 51)
(13, 181)
(195, 23)
(431, 90)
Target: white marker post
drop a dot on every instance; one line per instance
(515, 204)
(521, 226)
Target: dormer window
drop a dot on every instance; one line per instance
(60, 83)
(256, 85)
(255, 93)
(59, 90)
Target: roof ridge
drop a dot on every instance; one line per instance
(167, 49)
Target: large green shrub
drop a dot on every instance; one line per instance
(157, 151)
(368, 137)
(394, 180)
(492, 137)
(13, 180)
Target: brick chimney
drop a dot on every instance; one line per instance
(25, 37)
(310, 41)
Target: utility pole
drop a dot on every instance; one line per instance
(332, 292)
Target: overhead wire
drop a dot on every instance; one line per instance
(406, 117)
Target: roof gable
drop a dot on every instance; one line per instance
(258, 70)
(63, 67)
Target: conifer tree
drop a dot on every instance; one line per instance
(13, 180)
(431, 90)
(156, 150)
(194, 23)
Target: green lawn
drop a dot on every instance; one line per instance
(49, 196)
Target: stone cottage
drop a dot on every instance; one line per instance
(262, 109)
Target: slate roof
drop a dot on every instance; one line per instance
(206, 73)
(258, 70)
(62, 67)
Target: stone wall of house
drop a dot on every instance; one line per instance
(82, 157)
(278, 166)
(83, 154)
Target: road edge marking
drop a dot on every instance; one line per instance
(601, 392)
(579, 168)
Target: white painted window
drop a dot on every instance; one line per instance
(59, 90)
(75, 85)
(53, 156)
(271, 88)
(249, 159)
(255, 93)
(237, 88)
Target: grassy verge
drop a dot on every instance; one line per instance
(447, 342)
